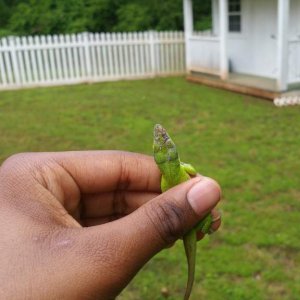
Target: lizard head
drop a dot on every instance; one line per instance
(163, 147)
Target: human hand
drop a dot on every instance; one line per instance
(57, 241)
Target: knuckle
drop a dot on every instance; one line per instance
(167, 219)
(20, 165)
(15, 162)
(14, 159)
(11, 168)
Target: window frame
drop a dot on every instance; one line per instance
(233, 13)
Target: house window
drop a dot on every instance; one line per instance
(234, 15)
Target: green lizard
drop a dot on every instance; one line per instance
(174, 172)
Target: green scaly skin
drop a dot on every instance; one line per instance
(174, 172)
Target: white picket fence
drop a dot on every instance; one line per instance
(89, 57)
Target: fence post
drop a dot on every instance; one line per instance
(87, 56)
(6, 55)
(3, 75)
(152, 52)
(15, 67)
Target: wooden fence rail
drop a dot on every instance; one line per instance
(89, 57)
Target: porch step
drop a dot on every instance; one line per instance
(215, 81)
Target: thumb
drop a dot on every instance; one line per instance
(169, 216)
(163, 220)
(117, 250)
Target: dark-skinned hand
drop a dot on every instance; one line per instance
(80, 225)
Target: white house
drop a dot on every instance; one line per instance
(253, 43)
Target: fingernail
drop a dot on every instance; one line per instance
(203, 196)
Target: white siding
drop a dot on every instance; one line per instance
(254, 50)
(294, 19)
(294, 44)
(205, 54)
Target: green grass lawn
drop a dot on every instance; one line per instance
(251, 147)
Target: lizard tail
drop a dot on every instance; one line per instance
(190, 246)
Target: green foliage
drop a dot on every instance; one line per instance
(167, 15)
(202, 14)
(101, 14)
(4, 13)
(30, 17)
(247, 144)
(133, 17)
(203, 24)
(48, 16)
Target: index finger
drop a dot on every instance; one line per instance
(104, 171)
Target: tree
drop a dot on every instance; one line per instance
(133, 17)
(48, 17)
(4, 13)
(30, 17)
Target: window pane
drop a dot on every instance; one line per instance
(235, 6)
(235, 23)
(234, 2)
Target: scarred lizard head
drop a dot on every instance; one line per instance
(163, 147)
